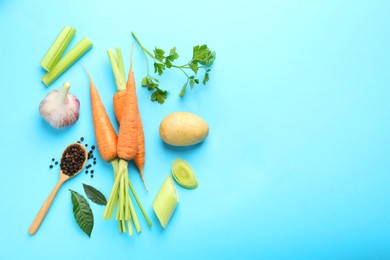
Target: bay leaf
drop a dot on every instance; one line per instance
(82, 212)
(95, 195)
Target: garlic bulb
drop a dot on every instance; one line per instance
(60, 108)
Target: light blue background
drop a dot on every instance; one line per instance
(296, 165)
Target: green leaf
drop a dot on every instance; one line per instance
(154, 96)
(203, 55)
(194, 67)
(196, 81)
(192, 83)
(209, 59)
(168, 64)
(159, 68)
(152, 86)
(159, 54)
(206, 78)
(183, 90)
(94, 195)
(82, 213)
(199, 53)
(159, 96)
(144, 82)
(172, 55)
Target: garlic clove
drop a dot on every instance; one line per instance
(60, 108)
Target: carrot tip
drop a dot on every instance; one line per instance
(143, 180)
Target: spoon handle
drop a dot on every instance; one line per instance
(45, 207)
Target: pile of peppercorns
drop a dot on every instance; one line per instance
(72, 159)
(88, 168)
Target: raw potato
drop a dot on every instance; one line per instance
(183, 129)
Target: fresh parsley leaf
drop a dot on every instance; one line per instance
(199, 53)
(183, 89)
(152, 86)
(159, 68)
(172, 55)
(192, 83)
(168, 64)
(144, 82)
(209, 58)
(159, 54)
(206, 78)
(159, 96)
(194, 67)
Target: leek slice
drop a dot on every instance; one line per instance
(58, 47)
(184, 175)
(166, 201)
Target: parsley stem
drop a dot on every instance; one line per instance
(144, 51)
(183, 71)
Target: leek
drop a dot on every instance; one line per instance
(184, 175)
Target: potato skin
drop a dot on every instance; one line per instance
(183, 129)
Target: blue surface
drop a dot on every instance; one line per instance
(296, 165)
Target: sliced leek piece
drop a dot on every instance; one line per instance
(184, 175)
(166, 201)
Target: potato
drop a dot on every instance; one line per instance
(183, 129)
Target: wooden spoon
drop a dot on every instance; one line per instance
(45, 207)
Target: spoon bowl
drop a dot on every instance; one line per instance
(64, 176)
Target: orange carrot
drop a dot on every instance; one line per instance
(118, 101)
(105, 135)
(139, 159)
(127, 137)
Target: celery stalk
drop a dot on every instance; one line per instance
(58, 47)
(65, 62)
(166, 201)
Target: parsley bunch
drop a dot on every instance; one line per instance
(202, 59)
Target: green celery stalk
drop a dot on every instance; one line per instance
(69, 59)
(58, 47)
(165, 202)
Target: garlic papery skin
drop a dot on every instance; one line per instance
(60, 108)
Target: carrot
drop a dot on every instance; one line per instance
(127, 137)
(105, 135)
(139, 158)
(118, 101)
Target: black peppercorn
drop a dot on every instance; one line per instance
(72, 159)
